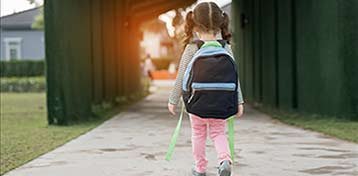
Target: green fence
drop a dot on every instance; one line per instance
(92, 53)
(299, 54)
(86, 64)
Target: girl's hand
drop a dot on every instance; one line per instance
(240, 110)
(171, 108)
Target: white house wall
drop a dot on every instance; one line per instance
(32, 43)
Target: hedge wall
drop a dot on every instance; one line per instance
(23, 68)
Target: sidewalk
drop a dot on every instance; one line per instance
(134, 143)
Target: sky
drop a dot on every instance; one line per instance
(11, 6)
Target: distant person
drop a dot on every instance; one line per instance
(209, 84)
(148, 67)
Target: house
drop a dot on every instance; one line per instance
(19, 41)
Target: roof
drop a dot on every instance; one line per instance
(20, 20)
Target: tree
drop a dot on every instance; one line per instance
(39, 19)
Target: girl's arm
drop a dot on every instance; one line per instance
(187, 55)
(239, 93)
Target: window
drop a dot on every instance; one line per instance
(12, 48)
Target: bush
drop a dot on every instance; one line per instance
(162, 63)
(22, 68)
(16, 84)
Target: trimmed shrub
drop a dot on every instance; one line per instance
(23, 84)
(22, 68)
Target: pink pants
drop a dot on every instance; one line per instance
(217, 134)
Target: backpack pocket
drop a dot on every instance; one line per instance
(210, 87)
(211, 100)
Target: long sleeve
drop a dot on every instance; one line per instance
(186, 57)
(239, 93)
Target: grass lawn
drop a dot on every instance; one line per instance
(337, 127)
(24, 130)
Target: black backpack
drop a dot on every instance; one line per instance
(210, 83)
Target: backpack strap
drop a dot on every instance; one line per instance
(231, 131)
(173, 141)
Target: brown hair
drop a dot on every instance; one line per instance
(207, 17)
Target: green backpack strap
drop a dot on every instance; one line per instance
(231, 124)
(173, 141)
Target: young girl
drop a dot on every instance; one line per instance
(209, 23)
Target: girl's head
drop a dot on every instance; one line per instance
(207, 17)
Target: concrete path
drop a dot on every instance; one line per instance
(134, 143)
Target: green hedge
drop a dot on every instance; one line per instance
(23, 68)
(25, 84)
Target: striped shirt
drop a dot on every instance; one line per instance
(186, 57)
